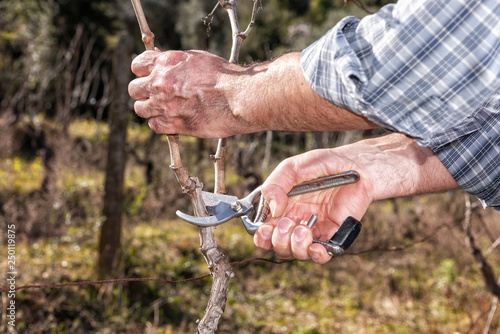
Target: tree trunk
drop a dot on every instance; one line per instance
(109, 242)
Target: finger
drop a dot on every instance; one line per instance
(300, 242)
(138, 89)
(143, 109)
(318, 254)
(167, 125)
(281, 238)
(262, 237)
(143, 64)
(163, 125)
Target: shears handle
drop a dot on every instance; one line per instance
(318, 184)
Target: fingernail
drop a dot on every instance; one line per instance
(272, 206)
(300, 233)
(266, 232)
(314, 254)
(284, 225)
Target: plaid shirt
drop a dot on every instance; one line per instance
(421, 67)
(471, 152)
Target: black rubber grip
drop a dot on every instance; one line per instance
(347, 233)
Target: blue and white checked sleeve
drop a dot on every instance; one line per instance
(473, 157)
(418, 67)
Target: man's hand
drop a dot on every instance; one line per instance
(287, 232)
(184, 93)
(202, 95)
(389, 166)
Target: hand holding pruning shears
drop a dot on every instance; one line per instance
(286, 231)
(302, 202)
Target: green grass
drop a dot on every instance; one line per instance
(20, 175)
(89, 129)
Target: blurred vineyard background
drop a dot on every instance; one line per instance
(410, 271)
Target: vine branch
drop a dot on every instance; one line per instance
(486, 269)
(238, 37)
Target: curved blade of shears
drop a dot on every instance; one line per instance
(221, 209)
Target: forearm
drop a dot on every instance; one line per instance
(199, 94)
(389, 166)
(397, 166)
(275, 96)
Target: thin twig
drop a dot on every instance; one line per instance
(492, 247)
(486, 270)
(132, 279)
(207, 20)
(252, 20)
(108, 281)
(399, 248)
(219, 158)
(148, 38)
(485, 227)
(493, 309)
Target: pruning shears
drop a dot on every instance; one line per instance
(222, 208)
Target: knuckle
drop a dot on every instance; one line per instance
(173, 57)
(160, 87)
(288, 164)
(156, 86)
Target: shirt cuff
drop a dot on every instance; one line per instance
(473, 157)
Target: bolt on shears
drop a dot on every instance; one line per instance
(222, 208)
